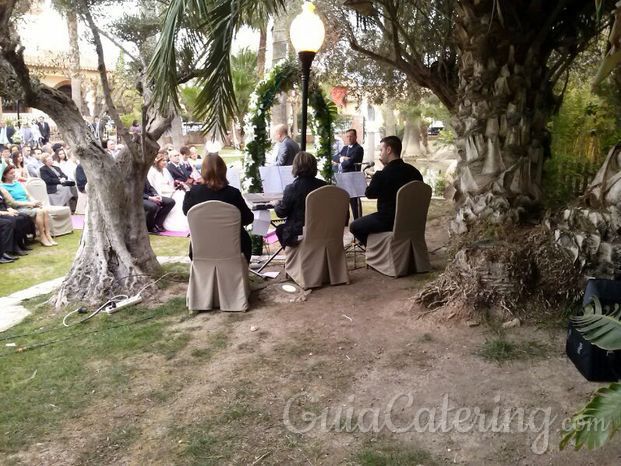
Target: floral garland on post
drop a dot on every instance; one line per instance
(281, 79)
(324, 114)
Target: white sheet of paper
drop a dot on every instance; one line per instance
(270, 274)
(275, 178)
(261, 223)
(233, 177)
(270, 178)
(353, 182)
(286, 177)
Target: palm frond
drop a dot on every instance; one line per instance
(218, 21)
(600, 325)
(163, 67)
(598, 421)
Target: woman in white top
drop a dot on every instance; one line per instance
(160, 178)
(65, 164)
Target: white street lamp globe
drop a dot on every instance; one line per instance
(307, 31)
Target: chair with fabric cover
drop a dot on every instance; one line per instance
(320, 256)
(80, 208)
(219, 271)
(404, 250)
(60, 216)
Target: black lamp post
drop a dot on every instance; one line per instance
(307, 34)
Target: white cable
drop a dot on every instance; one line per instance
(114, 299)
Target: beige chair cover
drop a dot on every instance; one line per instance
(80, 208)
(320, 256)
(219, 271)
(60, 216)
(404, 250)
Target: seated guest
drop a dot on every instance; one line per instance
(293, 204)
(178, 171)
(60, 189)
(65, 163)
(383, 187)
(22, 227)
(159, 177)
(32, 162)
(216, 188)
(7, 235)
(189, 165)
(156, 208)
(21, 172)
(17, 197)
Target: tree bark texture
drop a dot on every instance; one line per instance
(261, 52)
(504, 100)
(411, 138)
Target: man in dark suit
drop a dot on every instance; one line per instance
(350, 158)
(287, 147)
(156, 208)
(383, 187)
(177, 170)
(44, 129)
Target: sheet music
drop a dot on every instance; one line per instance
(353, 182)
(233, 177)
(261, 223)
(275, 178)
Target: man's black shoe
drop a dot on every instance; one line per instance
(25, 248)
(8, 256)
(6, 261)
(18, 252)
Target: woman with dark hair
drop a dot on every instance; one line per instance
(21, 172)
(21, 225)
(293, 204)
(216, 188)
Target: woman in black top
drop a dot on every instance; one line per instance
(293, 204)
(216, 188)
(60, 190)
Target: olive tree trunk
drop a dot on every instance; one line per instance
(114, 255)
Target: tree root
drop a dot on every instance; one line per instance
(518, 271)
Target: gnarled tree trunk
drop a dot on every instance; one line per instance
(115, 255)
(504, 101)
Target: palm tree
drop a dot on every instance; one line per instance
(245, 80)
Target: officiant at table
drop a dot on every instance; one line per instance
(351, 157)
(293, 204)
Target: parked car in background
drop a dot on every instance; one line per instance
(435, 128)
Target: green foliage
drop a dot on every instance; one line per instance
(244, 74)
(500, 350)
(582, 132)
(600, 419)
(189, 95)
(600, 325)
(324, 113)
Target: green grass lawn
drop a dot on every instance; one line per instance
(43, 264)
(58, 371)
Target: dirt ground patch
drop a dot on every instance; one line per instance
(350, 375)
